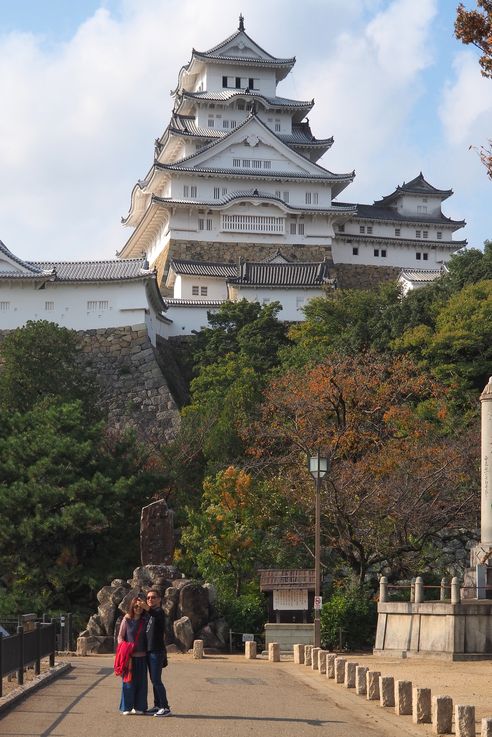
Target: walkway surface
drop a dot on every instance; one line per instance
(219, 696)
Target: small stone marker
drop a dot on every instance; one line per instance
(322, 661)
(308, 649)
(442, 714)
(198, 649)
(464, 720)
(386, 690)
(372, 685)
(349, 680)
(299, 654)
(403, 697)
(274, 652)
(421, 705)
(487, 727)
(330, 665)
(360, 680)
(314, 658)
(82, 646)
(340, 670)
(250, 650)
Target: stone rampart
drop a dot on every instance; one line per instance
(133, 389)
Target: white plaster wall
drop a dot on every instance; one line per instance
(407, 230)
(292, 300)
(266, 77)
(185, 320)
(216, 288)
(409, 204)
(127, 303)
(404, 256)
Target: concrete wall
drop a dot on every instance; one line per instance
(287, 635)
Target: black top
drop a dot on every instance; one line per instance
(155, 630)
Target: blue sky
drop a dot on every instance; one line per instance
(85, 90)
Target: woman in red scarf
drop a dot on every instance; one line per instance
(134, 667)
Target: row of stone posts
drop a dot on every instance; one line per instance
(417, 590)
(399, 694)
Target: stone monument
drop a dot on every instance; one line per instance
(157, 534)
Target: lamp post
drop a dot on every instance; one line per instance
(318, 467)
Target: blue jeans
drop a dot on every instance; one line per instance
(154, 662)
(134, 694)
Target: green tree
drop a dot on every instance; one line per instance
(39, 361)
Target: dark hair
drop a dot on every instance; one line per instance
(131, 608)
(154, 591)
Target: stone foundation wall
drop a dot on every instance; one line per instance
(134, 391)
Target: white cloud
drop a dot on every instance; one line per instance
(467, 101)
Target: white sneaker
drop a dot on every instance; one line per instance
(163, 713)
(136, 711)
(125, 713)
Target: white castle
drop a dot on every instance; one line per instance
(236, 205)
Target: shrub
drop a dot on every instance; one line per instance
(243, 613)
(353, 610)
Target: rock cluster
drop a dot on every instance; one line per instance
(189, 609)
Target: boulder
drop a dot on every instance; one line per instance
(170, 602)
(178, 583)
(95, 626)
(119, 593)
(104, 594)
(221, 629)
(212, 593)
(193, 603)
(127, 600)
(117, 582)
(210, 639)
(96, 644)
(156, 533)
(183, 633)
(107, 613)
(159, 576)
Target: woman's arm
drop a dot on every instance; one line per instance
(122, 632)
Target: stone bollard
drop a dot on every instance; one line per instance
(250, 650)
(443, 592)
(419, 590)
(273, 652)
(349, 680)
(464, 720)
(383, 589)
(339, 670)
(322, 661)
(455, 591)
(372, 685)
(314, 658)
(487, 727)
(198, 649)
(442, 714)
(403, 697)
(299, 654)
(82, 646)
(386, 691)
(308, 649)
(360, 680)
(421, 705)
(330, 665)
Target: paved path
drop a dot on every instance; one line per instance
(215, 697)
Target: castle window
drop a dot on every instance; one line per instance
(362, 228)
(293, 228)
(383, 253)
(315, 198)
(224, 82)
(224, 191)
(252, 224)
(233, 123)
(49, 306)
(4, 306)
(277, 127)
(201, 224)
(439, 235)
(203, 291)
(376, 252)
(267, 164)
(193, 190)
(286, 196)
(209, 223)
(397, 231)
(216, 193)
(425, 256)
(254, 83)
(355, 250)
(256, 164)
(186, 190)
(94, 305)
(425, 234)
(341, 228)
(308, 198)
(369, 229)
(246, 163)
(278, 193)
(417, 233)
(211, 123)
(300, 228)
(422, 208)
(225, 124)
(236, 162)
(418, 255)
(195, 291)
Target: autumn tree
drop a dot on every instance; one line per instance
(398, 476)
(475, 27)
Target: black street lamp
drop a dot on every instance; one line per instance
(318, 467)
